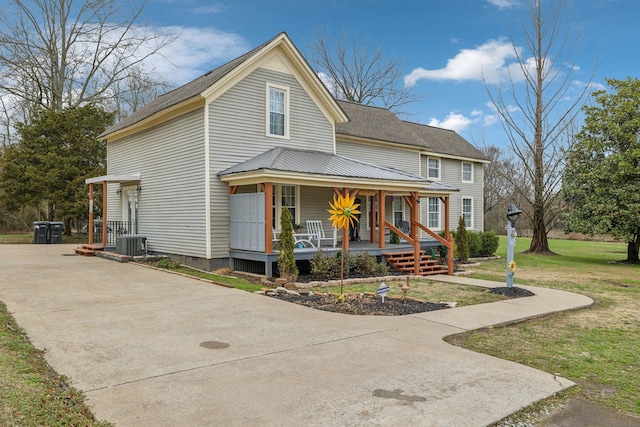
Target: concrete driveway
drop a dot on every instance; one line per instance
(149, 348)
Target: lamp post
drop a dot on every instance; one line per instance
(512, 216)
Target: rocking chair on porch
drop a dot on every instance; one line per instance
(315, 227)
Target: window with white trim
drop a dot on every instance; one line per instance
(277, 111)
(398, 209)
(467, 211)
(284, 196)
(433, 213)
(467, 172)
(433, 168)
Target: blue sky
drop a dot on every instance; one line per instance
(440, 43)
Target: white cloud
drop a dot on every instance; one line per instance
(210, 8)
(454, 121)
(196, 51)
(591, 86)
(492, 62)
(490, 119)
(504, 4)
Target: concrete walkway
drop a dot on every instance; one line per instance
(150, 348)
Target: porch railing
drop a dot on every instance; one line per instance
(115, 229)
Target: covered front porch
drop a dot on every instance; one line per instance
(120, 235)
(262, 186)
(263, 263)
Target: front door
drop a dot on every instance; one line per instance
(130, 210)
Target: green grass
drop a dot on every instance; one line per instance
(33, 394)
(598, 347)
(27, 238)
(232, 281)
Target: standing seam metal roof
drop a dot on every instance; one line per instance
(322, 163)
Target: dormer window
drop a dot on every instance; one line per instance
(277, 111)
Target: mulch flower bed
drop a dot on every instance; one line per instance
(362, 304)
(369, 305)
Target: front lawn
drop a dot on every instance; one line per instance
(598, 347)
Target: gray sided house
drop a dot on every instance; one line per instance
(204, 171)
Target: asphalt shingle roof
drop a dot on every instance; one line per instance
(366, 122)
(375, 123)
(187, 91)
(382, 125)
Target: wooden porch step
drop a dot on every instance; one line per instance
(88, 250)
(406, 263)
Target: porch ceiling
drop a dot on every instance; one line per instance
(113, 178)
(321, 169)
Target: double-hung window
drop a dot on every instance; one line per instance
(434, 213)
(467, 172)
(433, 168)
(277, 111)
(467, 211)
(284, 196)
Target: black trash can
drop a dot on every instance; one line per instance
(55, 234)
(40, 232)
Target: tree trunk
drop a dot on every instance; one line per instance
(539, 242)
(67, 227)
(632, 251)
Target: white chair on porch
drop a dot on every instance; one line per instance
(315, 227)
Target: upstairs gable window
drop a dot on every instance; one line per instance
(277, 111)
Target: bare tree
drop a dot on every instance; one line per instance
(64, 53)
(354, 71)
(497, 178)
(539, 127)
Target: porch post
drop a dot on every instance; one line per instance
(268, 216)
(414, 232)
(104, 214)
(372, 219)
(447, 236)
(90, 225)
(382, 195)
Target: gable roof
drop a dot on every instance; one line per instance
(285, 161)
(375, 123)
(445, 141)
(195, 89)
(380, 124)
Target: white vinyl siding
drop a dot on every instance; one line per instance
(399, 159)
(237, 134)
(452, 176)
(171, 202)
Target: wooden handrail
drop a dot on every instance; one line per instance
(434, 235)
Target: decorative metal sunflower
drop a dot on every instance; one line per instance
(512, 266)
(343, 211)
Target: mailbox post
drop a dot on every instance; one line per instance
(512, 216)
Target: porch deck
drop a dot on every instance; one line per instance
(261, 263)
